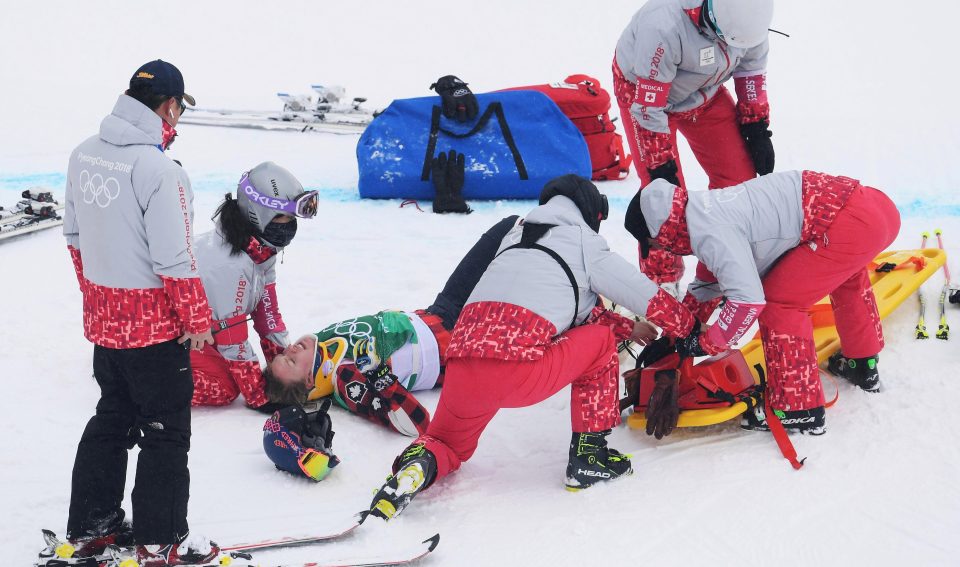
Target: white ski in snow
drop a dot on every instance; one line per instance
(330, 113)
(38, 210)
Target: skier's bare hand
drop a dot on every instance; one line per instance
(643, 332)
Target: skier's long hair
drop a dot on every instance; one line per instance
(234, 226)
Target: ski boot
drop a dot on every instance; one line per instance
(807, 422)
(591, 461)
(112, 531)
(416, 469)
(192, 550)
(861, 372)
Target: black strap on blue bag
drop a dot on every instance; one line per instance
(494, 108)
(532, 232)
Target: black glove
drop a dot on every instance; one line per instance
(955, 296)
(757, 136)
(318, 428)
(689, 346)
(458, 102)
(654, 351)
(666, 171)
(448, 177)
(373, 368)
(663, 408)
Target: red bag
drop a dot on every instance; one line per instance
(587, 105)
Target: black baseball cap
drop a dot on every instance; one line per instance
(164, 79)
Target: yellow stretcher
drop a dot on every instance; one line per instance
(891, 289)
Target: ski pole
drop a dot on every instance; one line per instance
(921, 324)
(943, 331)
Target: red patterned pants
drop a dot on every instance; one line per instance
(212, 383)
(713, 133)
(476, 388)
(864, 227)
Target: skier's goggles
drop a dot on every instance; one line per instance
(315, 464)
(303, 205)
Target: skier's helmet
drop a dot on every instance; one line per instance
(591, 202)
(264, 182)
(740, 23)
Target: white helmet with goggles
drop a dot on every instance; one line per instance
(269, 190)
(740, 23)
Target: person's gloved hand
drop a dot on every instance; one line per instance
(448, 178)
(653, 352)
(318, 428)
(458, 101)
(757, 136)
(663, 408)
(666, 170)
(689, 346)
(368, 362)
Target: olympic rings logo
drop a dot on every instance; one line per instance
(351, 328)
(97, 189)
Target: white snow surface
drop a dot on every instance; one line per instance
(860, 89)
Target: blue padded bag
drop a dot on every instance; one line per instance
(518, 141)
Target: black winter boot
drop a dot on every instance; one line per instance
(861, 372)
(416, 469)
(591, 461)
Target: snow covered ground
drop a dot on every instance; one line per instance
(860, 89)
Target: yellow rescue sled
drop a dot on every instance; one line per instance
(908, 269)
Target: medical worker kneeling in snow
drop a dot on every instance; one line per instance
(528, 329)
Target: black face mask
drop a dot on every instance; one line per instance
(280, 234)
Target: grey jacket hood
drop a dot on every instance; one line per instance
(559, 210)
(656, 201)
(131, 123)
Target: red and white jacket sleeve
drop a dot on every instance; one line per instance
(268, 322)
(750, 84)
(168, 221)
(621, 326)
(728, 255)
(655, 67)
(620, 281)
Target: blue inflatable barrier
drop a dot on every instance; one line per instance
(518, 141)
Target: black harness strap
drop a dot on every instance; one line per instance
(494, 108)
(536, 231)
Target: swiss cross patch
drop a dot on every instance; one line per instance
(652, 93)
(356, 391)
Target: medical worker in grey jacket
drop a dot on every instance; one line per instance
(530, 327)
(128, 222)
(775, 246)
(671, 63)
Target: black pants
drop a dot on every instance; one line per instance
(449, 302)
(144, 399)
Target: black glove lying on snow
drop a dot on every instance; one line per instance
(448, 178)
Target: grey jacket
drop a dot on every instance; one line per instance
(235, 285)
(129, 208)
(662, 43)
(532, 279)
(738, 233)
